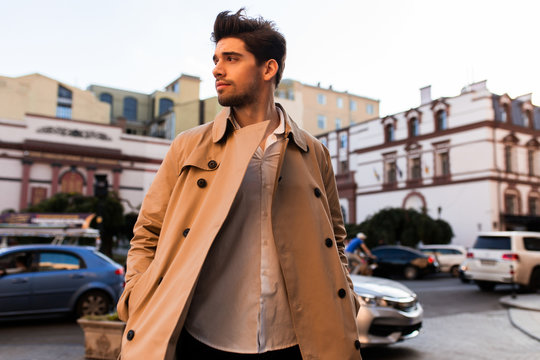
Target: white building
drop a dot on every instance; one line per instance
(472, 160)
(41, 156)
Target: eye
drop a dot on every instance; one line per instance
(230, 58)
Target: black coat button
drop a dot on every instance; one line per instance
(212, 164)
(186, 232)
(317, 192)
(357, 344)
(342, 293)
(201, 183)
(328, 242)
(130, 335)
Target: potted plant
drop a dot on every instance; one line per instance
(102, 336)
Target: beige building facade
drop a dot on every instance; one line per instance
(319, 110)
(41, 95)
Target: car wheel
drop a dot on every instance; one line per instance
(534, 284)
(410, 273)
(93, 303)
(454, 271)
(486, 285)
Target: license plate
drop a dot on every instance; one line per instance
(488, 262)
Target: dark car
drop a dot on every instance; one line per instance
(403, 261)
(52, 279)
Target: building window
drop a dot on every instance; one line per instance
(130, 108)
(444, 163)
(390, 171)
(389, 132)
(534, 205)
(107, 98)
(370, 109)
(321, 99)
(321, 122)
(339, 103)
(65, 100)
(72, 182)
(525, 118)
(338, 123)
(442, 120)
(504, 113)
(176, 87)
(38, 195)
(413, 127)
(343, 141)
(353, 106)
(508, 155)
(165, 105)
(511, 203)
(324, 141)
(415, 168)
(343, 166)
(531, 160)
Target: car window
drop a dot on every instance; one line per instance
(51, 261)
(17, 262)
(492, 242)
(531, 243)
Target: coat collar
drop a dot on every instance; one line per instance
(222, 121)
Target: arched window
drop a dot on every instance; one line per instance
(107, 98)
(165, 105)
(72, 182)
(389, 133)
(130, 108)
(442, 122)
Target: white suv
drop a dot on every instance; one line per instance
(449, 257)
(505, 257)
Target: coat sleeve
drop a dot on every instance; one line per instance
(148, 226)
(337, 221)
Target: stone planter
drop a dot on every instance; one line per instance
(102, 339)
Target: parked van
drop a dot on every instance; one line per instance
(505, 257)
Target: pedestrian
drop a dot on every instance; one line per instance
(238, 248)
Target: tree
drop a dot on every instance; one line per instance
(113, 213)
(407, 227)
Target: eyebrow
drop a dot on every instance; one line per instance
(228, 53)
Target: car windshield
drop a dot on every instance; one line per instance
(492, 242)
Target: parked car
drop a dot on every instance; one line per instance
(403, 261)
(449, 257)
(503, 257)
(390, 311)
(51, 279)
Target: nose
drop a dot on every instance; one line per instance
(218, 70)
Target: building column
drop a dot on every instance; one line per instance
(25, 179)
(55, 173)
(90, 171)
(116, 180)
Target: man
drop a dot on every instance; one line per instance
(238, 249)
(358, 264)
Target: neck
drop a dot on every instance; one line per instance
(261, 110)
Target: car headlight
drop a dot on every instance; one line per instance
(370, 300)
(402, 304)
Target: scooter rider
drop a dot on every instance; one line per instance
(355, 256)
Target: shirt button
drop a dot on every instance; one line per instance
(317, 192)
(329, 242)
(342, 293)
(212, 164)
(201, 183)
(130, 335)
(357, 344)
(185, 232)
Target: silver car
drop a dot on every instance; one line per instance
(389, 313)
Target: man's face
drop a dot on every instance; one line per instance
(238, 77)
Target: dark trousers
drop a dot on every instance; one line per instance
(189, 348)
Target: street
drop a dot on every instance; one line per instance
(460, 321)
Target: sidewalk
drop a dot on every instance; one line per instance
(524, 313)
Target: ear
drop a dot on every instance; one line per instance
(270, 69)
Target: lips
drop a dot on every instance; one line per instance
(221, 84)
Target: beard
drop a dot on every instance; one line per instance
(240, 99)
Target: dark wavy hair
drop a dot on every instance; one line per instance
(260, 36)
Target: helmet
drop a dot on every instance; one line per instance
(361, 235)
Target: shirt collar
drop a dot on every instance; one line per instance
(286, 126)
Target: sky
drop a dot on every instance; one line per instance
(383, 49)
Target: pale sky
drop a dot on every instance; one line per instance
(384, 50)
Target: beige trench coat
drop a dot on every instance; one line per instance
(182, 214)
